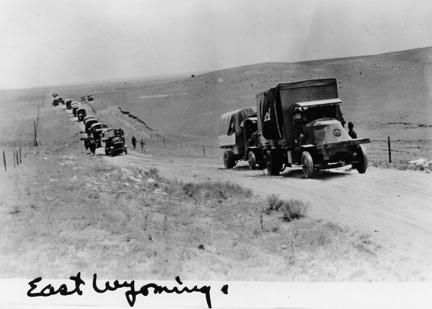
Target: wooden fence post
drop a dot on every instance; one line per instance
(163, 141)
(17, 158)
(389, 149)
(4, 160)
(13, 157)
(204, 153)
(20, 158)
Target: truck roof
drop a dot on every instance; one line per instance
(319, 102)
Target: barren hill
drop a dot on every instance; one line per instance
(378, 91)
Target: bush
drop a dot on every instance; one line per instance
(215, 190)
(292, 209)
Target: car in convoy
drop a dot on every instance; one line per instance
(114, 142)
(96, 130)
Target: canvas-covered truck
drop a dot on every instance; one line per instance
(301, 123)
(239, 138)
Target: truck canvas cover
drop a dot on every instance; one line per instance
(230, 122)
(274, 105)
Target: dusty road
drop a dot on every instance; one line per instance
(394, 207)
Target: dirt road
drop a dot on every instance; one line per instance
(394, 207)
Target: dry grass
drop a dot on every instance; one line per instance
(292, 209)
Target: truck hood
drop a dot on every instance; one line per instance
(327, 130)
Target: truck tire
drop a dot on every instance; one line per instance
(274, 162)
(307, 165)
(252, 160)
(362, 164)
(228, 158)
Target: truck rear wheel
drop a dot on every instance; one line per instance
(362, 163)
(251, 160)
(228, 158)
(274, 162)
(307, 164)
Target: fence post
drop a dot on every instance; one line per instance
(17, 159)
(4, 160)
(13, 157)
(163, 141)
(389, 148)
(19, 149)
(203, 148)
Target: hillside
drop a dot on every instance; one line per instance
(376, 90)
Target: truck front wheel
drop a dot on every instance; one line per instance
(228, 158)
(307, 164)
(274, 162)
(362, 159)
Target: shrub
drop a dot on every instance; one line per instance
(292, 209)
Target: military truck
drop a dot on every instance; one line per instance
(96, 130)
(301, 123)
(114, 142)
(239, 137)
(81, 113)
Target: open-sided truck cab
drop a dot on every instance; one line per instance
(114, 142)
(301, 123)
(239, 137)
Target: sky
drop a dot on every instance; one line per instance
(49, 42)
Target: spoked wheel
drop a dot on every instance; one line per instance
(307, 164)
(273, 162)
(362, 159)
(228, 158)
(252, 160)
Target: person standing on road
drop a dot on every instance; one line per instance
(351, 131)
(134, 142)
(142, 144)
(92, 145)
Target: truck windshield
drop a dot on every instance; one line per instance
(310, 113)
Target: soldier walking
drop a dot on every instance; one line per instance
(134, 142)
(142, 144)
(351, 131)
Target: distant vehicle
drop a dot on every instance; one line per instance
(88, 117)
(96, 130)
(68, 103)
(74, 108)
(114, 142)
(90, 97)
(239, 137)
(55, 102)
(88, 124)
(301, 123)
(81, 113)
(61, 100)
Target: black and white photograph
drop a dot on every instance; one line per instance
(215, 154)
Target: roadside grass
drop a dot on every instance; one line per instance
(82, 214)
(292, 209)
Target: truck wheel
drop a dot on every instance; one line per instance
(251, 160)
(362, 164)
(274, 162)
(307, 164)
(228, 158)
